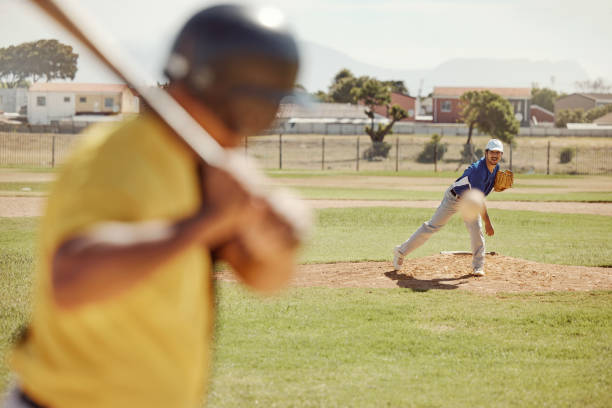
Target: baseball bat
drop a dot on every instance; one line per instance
(70, 16)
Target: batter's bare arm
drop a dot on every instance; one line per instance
(113, 256)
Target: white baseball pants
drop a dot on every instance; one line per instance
(445, 211)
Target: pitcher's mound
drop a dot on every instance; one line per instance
(503, 274)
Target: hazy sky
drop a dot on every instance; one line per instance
(400, 34)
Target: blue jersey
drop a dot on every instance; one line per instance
(476, 176)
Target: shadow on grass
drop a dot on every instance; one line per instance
(423, 285)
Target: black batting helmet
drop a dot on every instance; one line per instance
(225, 32)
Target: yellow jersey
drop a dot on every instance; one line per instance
(149, 345)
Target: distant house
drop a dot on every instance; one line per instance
(49, 102)
(583, 101)
(327, 112)
(406, 102)
(13, 99)
(424, 109)
(324, 118)
(447, 109)
(605, 120)
(538, 114)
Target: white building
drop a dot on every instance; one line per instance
(48, 102)
(12, 99)
(324, 118)
(45, 107)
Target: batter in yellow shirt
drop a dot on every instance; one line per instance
(149, 345)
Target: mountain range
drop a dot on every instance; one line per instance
(320, 65)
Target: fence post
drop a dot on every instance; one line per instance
(576, 159)
(510, 156)
(280, 151)
(357, 161)
(322, 152)
(246, 146)
(435, 158)
(396, 154)
(53, 152)
(548, 159)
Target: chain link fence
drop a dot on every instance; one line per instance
(539, 155)
(45, 150)
(528, 155)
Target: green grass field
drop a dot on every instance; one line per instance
(25, 186)
(317, 347)
(337, 193)
(401, 173)
(368, 234)
(312, 347)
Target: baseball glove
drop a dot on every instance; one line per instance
(503, 180)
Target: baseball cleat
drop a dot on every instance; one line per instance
(478, 272)
(398, 259)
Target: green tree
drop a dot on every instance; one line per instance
(580, 116)
(342, 91)
(37, 60)
(569, 116)
(490, 114)
(343, 73)
(544, 97)
(13, 71)
(320, 96)
(397, 86)
(380, 148)
(372, 93)
(375, 93)
(344, 82)
(597, 113)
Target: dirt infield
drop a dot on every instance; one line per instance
(25, 176)
(32, 206)
(523, 185)
(547, 207)
(450, 272)
(21, 204)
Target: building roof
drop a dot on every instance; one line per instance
(538, 107)
(598, 96)
(402, 95)
(604, 120)
(456, 92)
(336, 111)
(77, 87)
